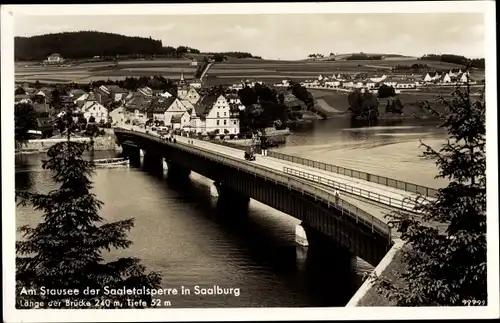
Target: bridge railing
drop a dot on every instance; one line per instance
(402, 203)
(389, 182)
(346, 208)
(405, 186)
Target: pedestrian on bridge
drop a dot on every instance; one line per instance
(337, 196)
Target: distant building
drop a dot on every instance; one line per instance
(55, 59)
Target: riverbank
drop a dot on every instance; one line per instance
(367, 295)
(37, 146)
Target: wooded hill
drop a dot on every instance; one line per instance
(87, 44)
(83, 44)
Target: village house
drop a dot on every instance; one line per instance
(406, 84)
(463, 77)
(113, 93)
(431, 77)
(22, 98)
(195, 84)
(370, 84)
(445, 78)
(80, 100)
(96, 110)
(55, 59)
(236, 86)
(332, 83)
(145, 91)
(235, 103)
(135, 108)
(378, 79)
(222, 118)
(390, 82)
(117, 116)
(215, 114)
(188, 93)
(179, 120)
(188, 105)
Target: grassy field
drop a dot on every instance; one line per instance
(338, 101)
(227, 72)
(91, 71)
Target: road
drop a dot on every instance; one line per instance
(379, 197)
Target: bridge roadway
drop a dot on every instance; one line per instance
(375, 199)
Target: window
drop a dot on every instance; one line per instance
(234, 121)
(224, 113)
(225, 122)
(217, 122)
(217, 114)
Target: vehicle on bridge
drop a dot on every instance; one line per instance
(250, 155)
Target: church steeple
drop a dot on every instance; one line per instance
(182, 81)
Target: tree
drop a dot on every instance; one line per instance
(385, 91)
(24, 120)
(363, 105)
(64, 251)
(219, 57)
(19, 91)
(448, 268)
(92, 119)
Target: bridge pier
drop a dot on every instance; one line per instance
(153, 163)
(231, 202)
(133, 154)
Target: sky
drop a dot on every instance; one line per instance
(287, 36)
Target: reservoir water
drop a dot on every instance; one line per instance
(180, 232)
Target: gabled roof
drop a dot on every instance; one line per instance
(137, 102)
(160, 104)
(116, 89)
(208, 100)
(187, 104)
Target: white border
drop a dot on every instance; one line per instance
(8, 205)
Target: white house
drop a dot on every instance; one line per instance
(237, 86)
(179, 120)
(96, 110)
(390, 82)
(55, 58)
(118, 115)
(445, 78)
(462, 78)
(195, 84)
(332, 83)
(218, 115)
(370, 84)
(164, 109)
(194, 63)
(81, 99)
(406, 85)
(235, 101)
(378, 79)
(430, 77)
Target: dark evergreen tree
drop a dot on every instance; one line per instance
(64, 251)
(24, 120)
(448, 267)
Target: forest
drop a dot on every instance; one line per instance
(455, 59)
(88, 44)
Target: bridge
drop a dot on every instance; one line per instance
(305, 189)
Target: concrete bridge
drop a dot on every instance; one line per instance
(355, 220)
